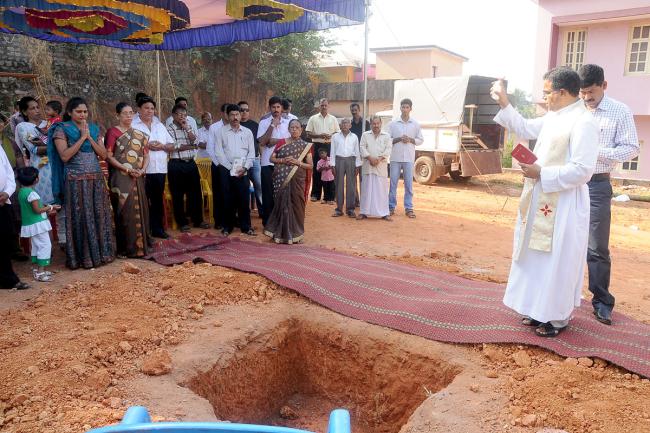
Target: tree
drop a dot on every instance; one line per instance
(287, 65)
(522, 101)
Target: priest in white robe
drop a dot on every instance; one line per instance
(550, 242)
(375, 149)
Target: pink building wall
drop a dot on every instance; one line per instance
(608, 24)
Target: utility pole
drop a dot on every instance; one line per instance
(365, 67)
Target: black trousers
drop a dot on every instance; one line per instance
(236, 197)
(185, 181)
(8, 278)
(329, 190)
(154, 185)
(267, 192)
(599, 263)
(317, 185)
(218, 204)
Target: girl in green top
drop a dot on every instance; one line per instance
(35, 224)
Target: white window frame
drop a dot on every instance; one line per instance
(641, 40)
(635, 160)
(577, 57)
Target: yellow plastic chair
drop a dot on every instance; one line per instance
(205, 171)
(169, 213)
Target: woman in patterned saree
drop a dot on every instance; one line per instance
(128, 158)
(292, 159)
(73, 148)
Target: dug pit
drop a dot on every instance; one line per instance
(295, 374)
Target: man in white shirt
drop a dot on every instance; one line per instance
(346, 161)
(320, 128)
(182, 101)
(213, 133)
(234, 151)
(202, 136)
(184, 176)
(406, 135)
(8, 278)
(271, 129)
(618, 143)
(159, 144)
(375, 148)
(550, 245)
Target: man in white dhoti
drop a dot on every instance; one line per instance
(552, 228)
(375, 148)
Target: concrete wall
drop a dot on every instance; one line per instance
(342, 108)
(416, 64)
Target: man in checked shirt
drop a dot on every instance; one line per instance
(618, 143)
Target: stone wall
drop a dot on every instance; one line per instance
(106, 76)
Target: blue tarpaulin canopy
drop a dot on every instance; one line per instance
(172, 24)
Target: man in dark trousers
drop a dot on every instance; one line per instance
(235, 152)
(183, 173)
(618, 143)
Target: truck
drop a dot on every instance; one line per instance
(456, 114)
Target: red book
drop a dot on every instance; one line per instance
(523, 154)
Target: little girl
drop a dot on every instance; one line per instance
(35, 224)
(326, 176)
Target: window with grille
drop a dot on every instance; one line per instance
(638, 50)
(632, 164)
(574, 48)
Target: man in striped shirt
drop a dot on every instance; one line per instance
(618, 143)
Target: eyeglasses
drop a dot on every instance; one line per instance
(244, 109)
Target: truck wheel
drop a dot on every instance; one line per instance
(424, 171)
(456, 177)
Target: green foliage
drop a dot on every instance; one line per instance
(506, 157)
(522, 101)
(288, 64)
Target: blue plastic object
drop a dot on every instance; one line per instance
(137, 420)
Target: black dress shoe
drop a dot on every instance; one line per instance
(603, 314)
(162, 235)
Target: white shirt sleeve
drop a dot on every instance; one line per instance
(248, 136)
(357, 151)
(510, 118)
(7, 180)
(33, 196)
(335, 139)
(211, 145)
(218, 149)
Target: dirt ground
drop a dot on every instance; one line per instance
(200, 342)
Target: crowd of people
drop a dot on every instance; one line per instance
(564, 212)
(101, 195)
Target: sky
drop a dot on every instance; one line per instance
(498, 36)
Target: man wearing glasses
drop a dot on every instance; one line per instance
(550, 244)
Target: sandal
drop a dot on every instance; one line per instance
(410, 214)
(548, 330)
(362, 216)
(20, 285)
(251, 232)
(42, 277)
(529, 321)
(387, 218)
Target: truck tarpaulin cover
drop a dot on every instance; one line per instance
(436, 101)
(172, 24)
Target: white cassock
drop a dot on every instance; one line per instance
(546, 286)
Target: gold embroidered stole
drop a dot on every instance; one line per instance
(557, 135)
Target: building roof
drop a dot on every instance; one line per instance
(341, 57)
(416, 48)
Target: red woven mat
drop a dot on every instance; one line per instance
(425, 302)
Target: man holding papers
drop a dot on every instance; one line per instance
(550, 241)
(234, 152)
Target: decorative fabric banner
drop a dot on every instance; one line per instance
(172, 24)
